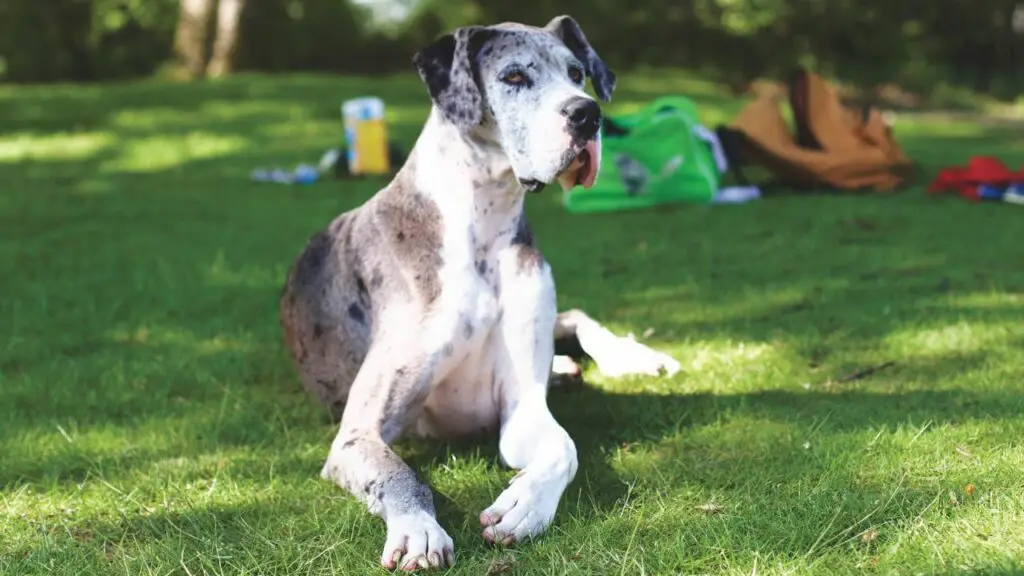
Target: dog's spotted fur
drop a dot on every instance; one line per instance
(430, 310)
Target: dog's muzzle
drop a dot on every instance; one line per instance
(583, 123)
(581, 160)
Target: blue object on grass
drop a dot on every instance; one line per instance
(990, 192)
(303, 174)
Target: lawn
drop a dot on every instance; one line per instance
(150, 422)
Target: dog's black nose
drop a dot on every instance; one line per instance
(584, 117)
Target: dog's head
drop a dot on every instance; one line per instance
(523, 88)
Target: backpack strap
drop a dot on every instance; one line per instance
(799, 101)
(732, 144)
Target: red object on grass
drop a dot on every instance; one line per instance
(979, 170)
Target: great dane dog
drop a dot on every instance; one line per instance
(428, 310)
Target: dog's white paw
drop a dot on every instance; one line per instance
(628, 357)
(523, 510)
(416, 541)
(565, 366)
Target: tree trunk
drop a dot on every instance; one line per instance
(229, 13)
(190, 36)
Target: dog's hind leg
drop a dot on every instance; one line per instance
(385, 398)
(614, 355)
(531, 440)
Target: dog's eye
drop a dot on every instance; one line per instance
(575, 74)
(514, 78)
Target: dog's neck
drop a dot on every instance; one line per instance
(469, 177)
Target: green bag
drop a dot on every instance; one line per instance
(650, 157)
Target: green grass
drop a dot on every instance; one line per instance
(150, 422)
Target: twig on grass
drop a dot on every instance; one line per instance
(865, 372)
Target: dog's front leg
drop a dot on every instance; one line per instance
(388, 391)
(531, 440)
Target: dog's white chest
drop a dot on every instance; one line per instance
(479, 309)
(470, 274)
(464, 401)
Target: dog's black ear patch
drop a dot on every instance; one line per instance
(569, 32)
(448, 67)
(434, 64)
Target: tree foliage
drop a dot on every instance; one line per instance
(918, 44)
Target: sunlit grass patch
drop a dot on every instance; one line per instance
(156, 153)
(71, 146)
(963, 338)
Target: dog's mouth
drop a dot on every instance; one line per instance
(581, 169)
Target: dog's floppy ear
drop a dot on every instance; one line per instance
(569, 32)
(448, 68)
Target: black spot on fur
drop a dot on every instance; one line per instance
(481, 267)
(318, 330)
(349, 443)
(467, 329)
(356, 313)
(362, 294)
(311, 264)
(529, 257)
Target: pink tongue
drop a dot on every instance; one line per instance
(588, 172)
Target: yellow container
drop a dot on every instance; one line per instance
(366, 136)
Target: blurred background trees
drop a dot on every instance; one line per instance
(920, 45)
